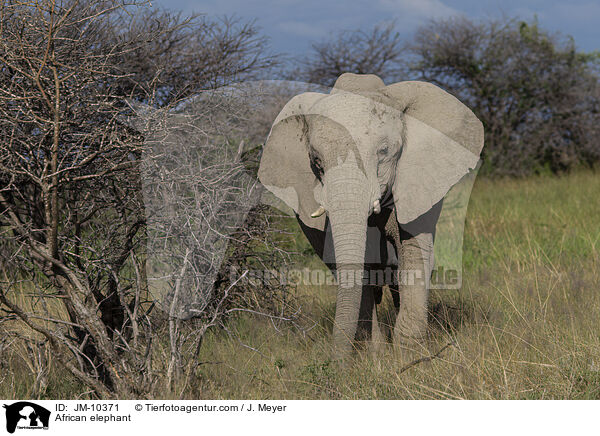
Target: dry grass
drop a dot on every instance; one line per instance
(524, 325)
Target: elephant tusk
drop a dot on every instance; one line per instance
(376, 206)
(317, 213)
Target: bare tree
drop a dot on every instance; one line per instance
(72, 215)
(537, 96)
(378, 51)
(182, 56)
(207, 232)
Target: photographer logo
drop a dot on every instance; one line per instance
(26, 415)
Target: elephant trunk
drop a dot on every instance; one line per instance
(347, 203)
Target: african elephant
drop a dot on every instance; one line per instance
(366, 167)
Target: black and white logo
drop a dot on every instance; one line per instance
(26, 415)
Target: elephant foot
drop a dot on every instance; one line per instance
(407, 332)
(409, 344)
(343, 345)
(411, 321)
(410, 341)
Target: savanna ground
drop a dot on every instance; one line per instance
(525, 324)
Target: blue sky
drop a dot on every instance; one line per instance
(293, 24)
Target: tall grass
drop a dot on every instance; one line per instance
(524, 325)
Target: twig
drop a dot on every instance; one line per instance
(425, 359)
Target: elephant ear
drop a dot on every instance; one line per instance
(443, 140)
(285, 166)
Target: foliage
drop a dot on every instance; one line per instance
(524, 323)
(378, 51)
(537, 96)
(72, 213)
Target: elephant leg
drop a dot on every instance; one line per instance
(368, 325)
(413, 281)
(395, 296)
(392, 233)
(377, 338)
(415, 263)
(365, 316)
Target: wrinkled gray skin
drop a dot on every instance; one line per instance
(366, 168)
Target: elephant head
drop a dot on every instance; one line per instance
(338, 155)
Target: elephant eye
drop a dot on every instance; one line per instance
(384, 147)
(383, 152)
